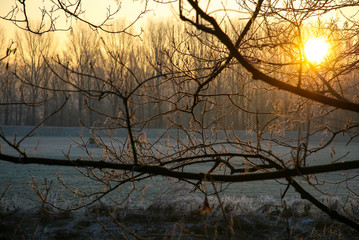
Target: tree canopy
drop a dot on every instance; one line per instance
(227, 86)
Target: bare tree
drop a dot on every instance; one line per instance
(202, 82)
(32, 72)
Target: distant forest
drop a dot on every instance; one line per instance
(43, 74)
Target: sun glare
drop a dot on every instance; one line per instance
(316, 49)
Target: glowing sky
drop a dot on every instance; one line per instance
(94, 11)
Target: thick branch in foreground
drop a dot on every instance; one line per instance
(162, 171)
(332, 213)
(217, 31)
(288, 174)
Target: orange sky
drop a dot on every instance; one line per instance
(95, 10)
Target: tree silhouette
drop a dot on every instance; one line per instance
(223, 93)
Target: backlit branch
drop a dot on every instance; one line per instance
(162, 171)
(217, 31)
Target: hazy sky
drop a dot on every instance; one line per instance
(94, 10)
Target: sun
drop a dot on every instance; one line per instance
(316, 49)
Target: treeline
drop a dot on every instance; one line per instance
(83, 79)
